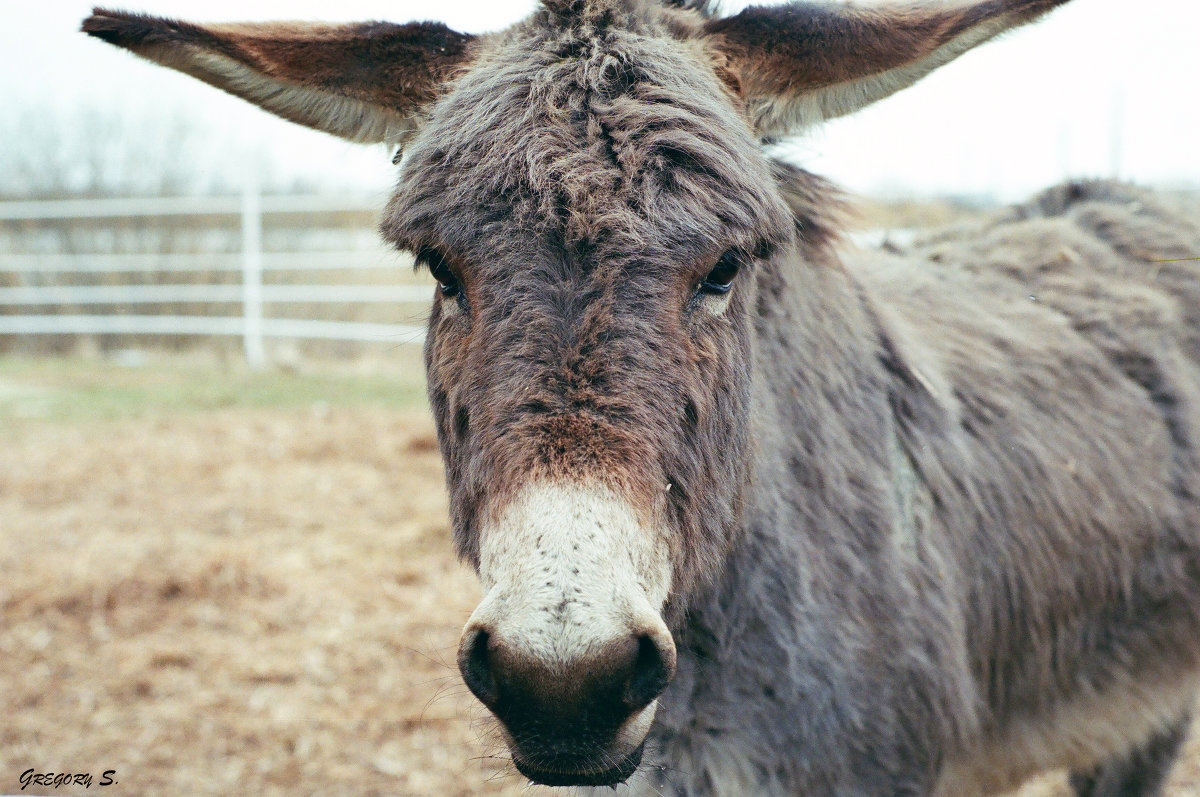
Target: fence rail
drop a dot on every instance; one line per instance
(252, 326)
(137, 207)
(356, 259)
(207, 325)
(208, 294)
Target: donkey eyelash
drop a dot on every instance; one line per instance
(719, 279)
(439, 268)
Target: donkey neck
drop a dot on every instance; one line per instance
(764, 644)
(823, 429)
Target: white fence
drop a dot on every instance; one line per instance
(252, 262)
(36, 274)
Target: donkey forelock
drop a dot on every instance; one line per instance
(603, 131)
(594, 9)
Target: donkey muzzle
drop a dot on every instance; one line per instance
(568, 648)
(576, 723)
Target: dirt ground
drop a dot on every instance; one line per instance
(244, 601)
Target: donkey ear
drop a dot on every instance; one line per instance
(799, 64)
(365, 82)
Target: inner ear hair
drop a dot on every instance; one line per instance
(799, 64)
(366, 82)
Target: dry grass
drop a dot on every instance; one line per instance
(257, 601)
(249, 600)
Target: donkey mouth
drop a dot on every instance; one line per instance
(582, 777)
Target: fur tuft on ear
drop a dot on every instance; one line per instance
(366, 82)
(706, 8)
(802, 63)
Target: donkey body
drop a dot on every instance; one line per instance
(753, 514)
(1012, 451)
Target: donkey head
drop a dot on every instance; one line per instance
(588, 190)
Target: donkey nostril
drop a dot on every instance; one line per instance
(652, 671)
(476, 669)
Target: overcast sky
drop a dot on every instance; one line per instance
(1101, 86)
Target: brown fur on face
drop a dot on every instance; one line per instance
(580, 348)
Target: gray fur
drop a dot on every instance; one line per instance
(933, 519)
(1043, 375)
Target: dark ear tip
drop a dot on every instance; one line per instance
(99, 27)
(114, 27)
(101, 24)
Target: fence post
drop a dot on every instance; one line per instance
(252, 281)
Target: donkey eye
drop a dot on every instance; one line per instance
(436, 262)
(720, 279)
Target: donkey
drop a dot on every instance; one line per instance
(753, 514)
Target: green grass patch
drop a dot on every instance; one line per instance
(71, 390)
